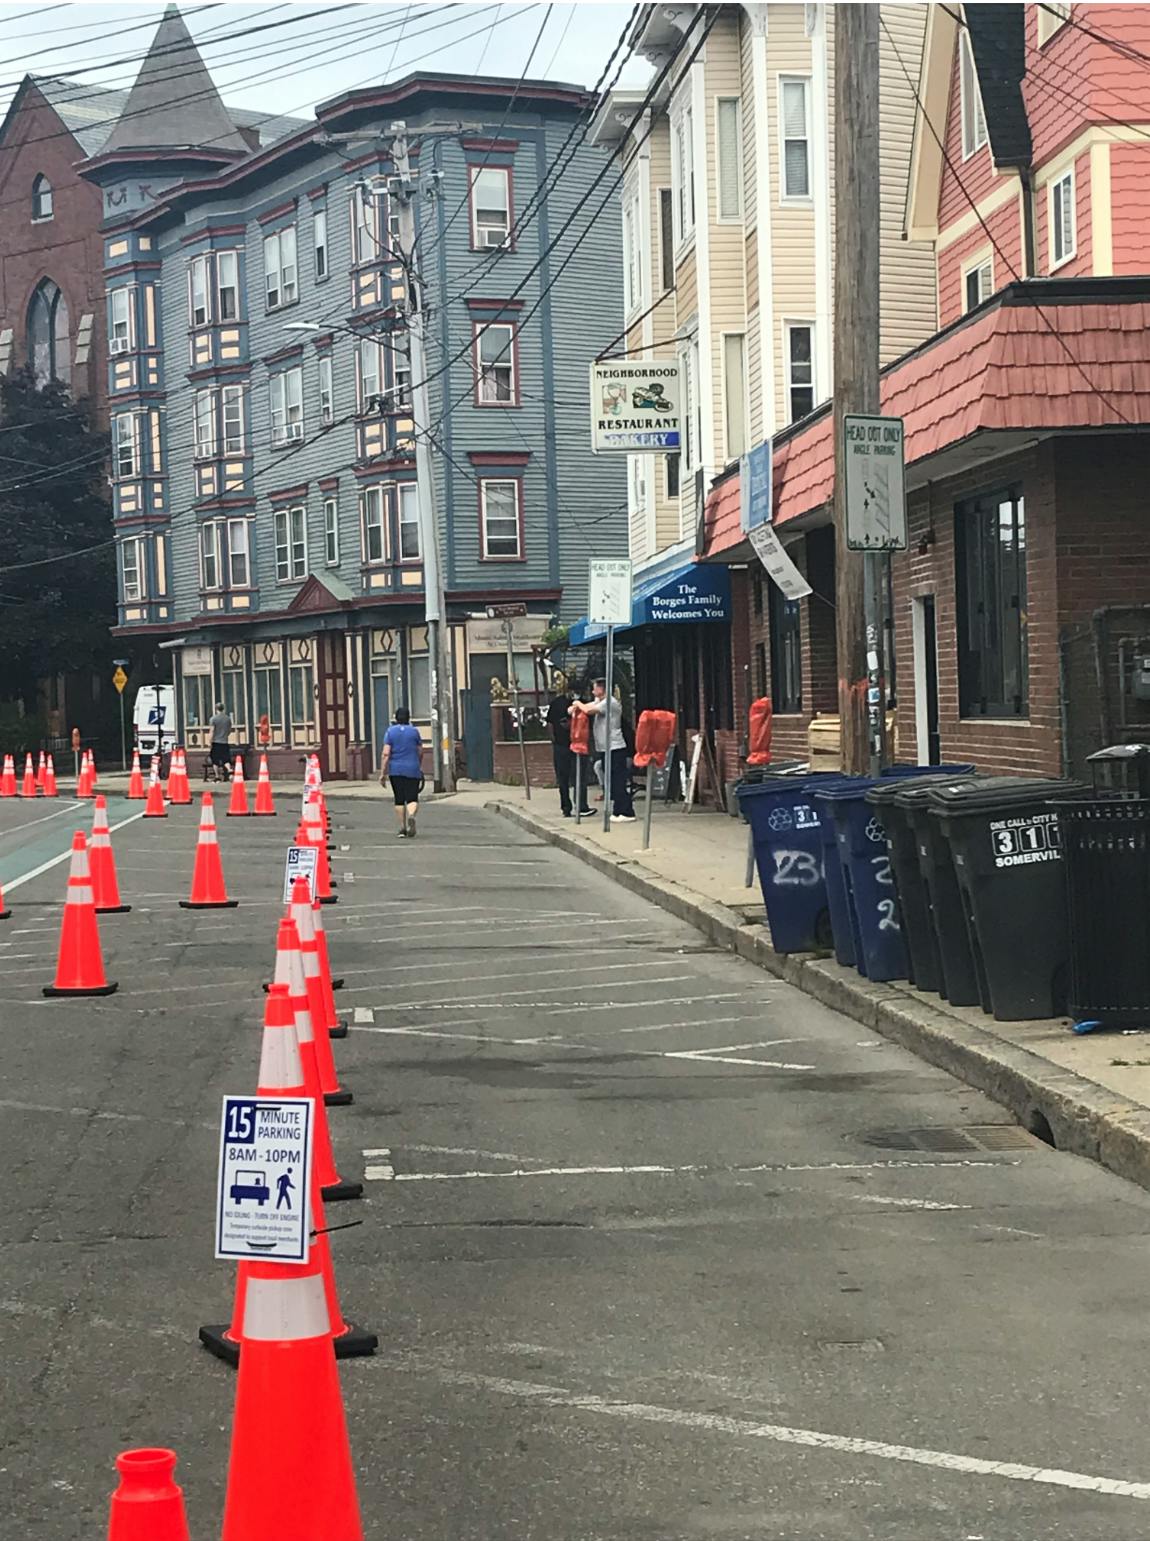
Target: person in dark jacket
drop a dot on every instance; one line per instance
(559, 721)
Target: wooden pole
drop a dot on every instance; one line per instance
(856, 359)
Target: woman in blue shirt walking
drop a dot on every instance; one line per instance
(402, 763)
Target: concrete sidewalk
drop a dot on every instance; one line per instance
(1090, 1095)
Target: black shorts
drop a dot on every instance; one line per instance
(221, 754)
(405, 789)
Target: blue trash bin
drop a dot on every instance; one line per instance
(787, 832)
(844, 925)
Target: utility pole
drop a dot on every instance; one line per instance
(858, 575)
(440, 668)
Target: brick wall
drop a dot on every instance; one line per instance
(65, 248)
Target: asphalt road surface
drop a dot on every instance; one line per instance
(657, 1248)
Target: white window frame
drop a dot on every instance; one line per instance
(210, 553)
(785, 194)
(132, 591)
(688, 374)
(204, 438)
(232, 434)
(239, 551)
(199, 290)
(1051, 20)
(485, 375)
(729, 216)
(407, 521)
(331, 532)
(401, 381)
(736, 400)
(368, 372)
(974, 135)
(286, 395)
(121, 318)
(483, 230)
(365, 222)
(1068, 179)
(373, 515)
(637, 483)
(290, 527)
(982, 263)
(319, 247)
(126, 437)
(634, 286)
(790, 384)
(228, 283)
(281, 274)
(683, 169)
(486, 554)
(326, 391)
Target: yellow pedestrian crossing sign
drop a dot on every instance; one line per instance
(119, 679)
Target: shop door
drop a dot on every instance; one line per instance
(380, 710)
(477, 743)
(333, 715)
(926, 680)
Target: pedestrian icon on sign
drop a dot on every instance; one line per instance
(284, 1189)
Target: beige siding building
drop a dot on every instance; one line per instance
(728, 223)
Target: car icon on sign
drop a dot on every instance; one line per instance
(250, 1185)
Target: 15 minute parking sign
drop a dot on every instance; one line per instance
(262, 1207)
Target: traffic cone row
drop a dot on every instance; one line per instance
(136, 779)
(178, 790)
(50, 789)
(86, 780)
(28, 787)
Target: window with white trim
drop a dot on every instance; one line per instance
(365, 219)
(490, 189)
(729, 150)
(368, 373)
(633, 286)
(291, 544)
(132, 570)
(210, 555)
(41, 198)
(977, 283)
(280, 273)
(689, 375)
(121, 321)
(1063, 235)
(499, 500)
(331, 532)
(204, 425)
(239, 564)
(795, 132)
(735, 394)
(1051, 19)
(326, 391)
(683, 171)
(373, 511)
(126, 444)
(199, 292)
(401, 380)
(638, 488)
(970, 100)
(407, 496)
(799, 362)
(228, 285)
(287, 406)
(496, 385)
(232, 415)
(319, 241)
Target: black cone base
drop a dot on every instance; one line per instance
(338, 1031)
(335, 1193)
(215, 904)
(51, 990)
(331, 898)
(5, 914)
(337, 984)
(218, 1343)
(353, 1343)
(339, 1099)
(113, 909)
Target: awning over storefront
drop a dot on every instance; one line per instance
(689, 595)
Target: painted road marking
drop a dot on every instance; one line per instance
(878, 1198)
(698, 1170)
(382, 1173)
(746, 1428)
(28, 823)
(46, 866)
(363, 1014)
(722, 1057)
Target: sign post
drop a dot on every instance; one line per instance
(120, 679)
(609, 604)
(264, 1187)
(510, 613)
(875, 489)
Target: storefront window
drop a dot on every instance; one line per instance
(235, 701)
(198, 702)
(268, 693)
(419, 700)
(786, 653)
(301, 692)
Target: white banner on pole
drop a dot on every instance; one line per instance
(783, 572)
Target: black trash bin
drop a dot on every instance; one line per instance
(1004, 839)
(925, 969)
(1106, 850)
(1121, 768)
(949, 962)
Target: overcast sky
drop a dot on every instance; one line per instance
(314, 49)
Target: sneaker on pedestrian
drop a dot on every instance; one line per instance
(411, 829)
(623, 818)
(402, 833)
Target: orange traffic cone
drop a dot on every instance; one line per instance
(314, 835)
(84, 781)
(238, 807)
(136, 779)
(282, 1074)
(92, 777)
(155, 807)
(79, 965)
(28, 789)
(4, 912)
(265, 806)
(41, 767)
(105, 884)
(208, 891)
(297, 967)
(336, 1025)
(50, 789)
(302, 913)
(8, 778)
(179, 787)
(148, 1505)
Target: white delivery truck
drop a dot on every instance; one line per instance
(154, 721)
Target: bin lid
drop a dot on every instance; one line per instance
(1120, 752)
(891, 789)
(990, 794)
(787, 785)
(850, 788)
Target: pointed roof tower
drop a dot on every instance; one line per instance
(174, 105)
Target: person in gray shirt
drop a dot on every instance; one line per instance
(610, 743)
(221, 754)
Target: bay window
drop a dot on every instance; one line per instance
(239, 565)
(204, 416)
(374, 514)
(210, 555)
(132, 570)
(408, 496)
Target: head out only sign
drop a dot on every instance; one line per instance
(875, 483)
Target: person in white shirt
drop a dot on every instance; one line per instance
(610, 743)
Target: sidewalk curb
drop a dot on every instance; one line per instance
(1085, 1119)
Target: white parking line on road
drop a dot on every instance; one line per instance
(671, 1000)
(363, 1014)
(46, 866)
(720, 1057)
(28, 823)
(880, 1198)
(746, 1428)
(698, 1170)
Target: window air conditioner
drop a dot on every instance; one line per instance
(494, 237)
(120, 345)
